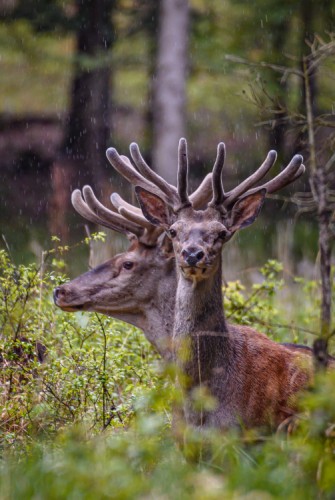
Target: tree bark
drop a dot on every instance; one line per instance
(277, 132)
(325, 264)
(152, 34)
(169, 88)
(318, 181)
(308, 16)
(88, 125)
(87, 129)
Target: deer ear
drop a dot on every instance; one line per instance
(154, 208)
(246, 210)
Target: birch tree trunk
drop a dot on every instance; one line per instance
(169, 89)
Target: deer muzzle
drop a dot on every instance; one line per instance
(64, 299)
(193, 256)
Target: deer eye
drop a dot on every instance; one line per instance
(223, 234)
(128, 264)
(172, 233)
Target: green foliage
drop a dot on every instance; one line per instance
(44, 15)
(259, 306)
(93, 420)
(144, 461)
(93, 365)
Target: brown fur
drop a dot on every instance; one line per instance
(152, 310)
(252, 380)
(270, 377)
(145, 296)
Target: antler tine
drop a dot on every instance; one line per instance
(290, 173)
(252, 179)
(293, 170)
(104, 213)
(126, 159)
(118, 202)
(129, 212)
(114, 221)
(148, 179)
(182, 180)
(148, 173)
(203, 193)
(218, 191)
(81, 207)
(128, 172)
(301, 170)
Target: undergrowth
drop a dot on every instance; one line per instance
(86, 404)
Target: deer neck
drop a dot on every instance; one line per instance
(156, 322)
(157, 317)
(199, 306)
(202, 347)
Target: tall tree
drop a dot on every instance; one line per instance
(169, 86)
(88, 122)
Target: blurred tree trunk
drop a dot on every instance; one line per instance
(169, 86)
(151, 23)
(88, 125)
(277, 131)
(308, 17)
(87, 129)
(320, 190)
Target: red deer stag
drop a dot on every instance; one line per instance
(137, 286)
(253, 380)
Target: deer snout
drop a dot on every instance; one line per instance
(58, 293)
(63, 295)
(66, 298)
(192, 255)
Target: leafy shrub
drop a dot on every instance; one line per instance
(93, 365)
(91, 416)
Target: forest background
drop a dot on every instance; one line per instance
(86, 405)
(78, 77)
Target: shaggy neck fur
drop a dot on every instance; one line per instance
(202, 347)
(199, 306)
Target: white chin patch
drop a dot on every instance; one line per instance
(194, 273)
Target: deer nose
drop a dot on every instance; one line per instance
(58, 292)
(192, 255)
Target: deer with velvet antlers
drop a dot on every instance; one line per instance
(139, 285)
(252, 379)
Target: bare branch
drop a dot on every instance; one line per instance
(275, 67)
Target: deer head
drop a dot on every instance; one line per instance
(198, 235)
(138, 285)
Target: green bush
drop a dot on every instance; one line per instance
(93, 420)
(93, 367)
